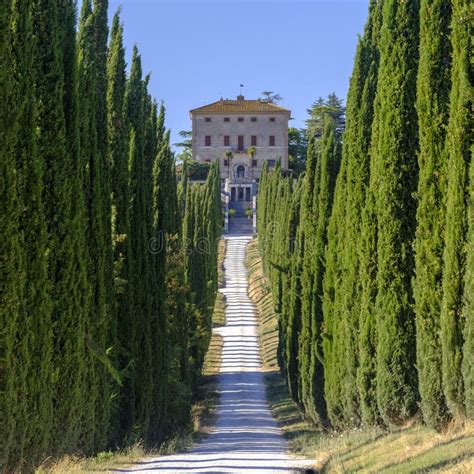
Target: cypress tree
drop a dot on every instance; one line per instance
(343, 284)
(459, 148)
(362, 265)
(141, 344)
(433, 107)
(12, 271)
(34, 331)
(91, 61)
(393, 145)
(367, 371)
(159, 318)
(105, 337)
(333, 340)
(66, 275)
(330, 156)
(309, 219)
(78, 226)
(468, 367)
(120, 199)
(357, 142)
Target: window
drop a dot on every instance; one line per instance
(207, 140)
(226, 140)
(240, 171)
(226, 163)
(254, 163)
(241, 194)
(240, 146)
(254, 140)
(240, 119)
(272, 119)
(253, 119)
(208, 119)
(247, 194)
(226, 119)
(271, 162)
(272, 140)
(232, 194)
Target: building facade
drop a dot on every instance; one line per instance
(242, 135)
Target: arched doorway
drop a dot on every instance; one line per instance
(240, 171)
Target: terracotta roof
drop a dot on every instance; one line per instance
(238, 107)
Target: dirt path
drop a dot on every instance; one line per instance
(245, 438)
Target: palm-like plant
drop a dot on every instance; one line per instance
(251, 151)
(229, 156)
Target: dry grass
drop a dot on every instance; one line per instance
(260, 294)
(415, 448)
(218, 318)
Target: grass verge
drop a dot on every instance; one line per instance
(414, 448)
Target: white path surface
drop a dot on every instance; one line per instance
(245, 439)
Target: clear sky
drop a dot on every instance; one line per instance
(200, 50)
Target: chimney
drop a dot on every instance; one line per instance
(240, 97)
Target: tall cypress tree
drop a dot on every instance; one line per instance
(330, 157)
(93, 135)
(104, 336)
(333, 339)
(395, 171)
(360, 105)
(433, 107)
(309, 221)
(34, 329)
(468, 349)
(11, 255)
(66, 274)
(459, 148)
(141, 347)
(117, 133)
(362, 266)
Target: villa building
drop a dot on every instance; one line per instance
(242, 135)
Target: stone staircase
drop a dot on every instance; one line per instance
(240, 226)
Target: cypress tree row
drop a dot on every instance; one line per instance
(459, 150)
(293, 251)
(200, 248)
(380, 262)
(433, 108)
(96, 319)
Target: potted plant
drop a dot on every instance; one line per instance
(249, 212)
(232, 213)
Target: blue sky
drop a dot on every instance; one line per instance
(199, 50)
